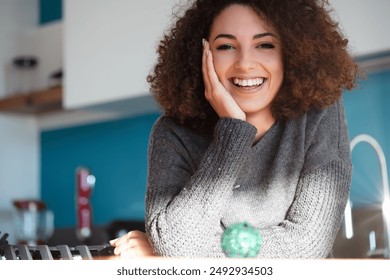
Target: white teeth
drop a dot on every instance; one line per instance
(249, 82)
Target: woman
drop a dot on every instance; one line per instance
(253, 130)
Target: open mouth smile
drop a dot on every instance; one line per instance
(248, 83)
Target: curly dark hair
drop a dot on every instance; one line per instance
(317, 64)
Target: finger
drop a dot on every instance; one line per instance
(204, 66)
(135, 242)
(212, 74)
(136, 233)
(131, 240)
(139, 237)
(134, 248)
(119, 250)
(124, 247)
(120, 240)
(123, 239)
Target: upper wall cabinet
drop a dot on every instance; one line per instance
(110, 48)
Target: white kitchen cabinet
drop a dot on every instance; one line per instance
(109, 49)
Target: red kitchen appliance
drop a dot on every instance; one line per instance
(85, 182)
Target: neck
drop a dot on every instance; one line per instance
(262, 124)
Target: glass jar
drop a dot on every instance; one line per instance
(34, 222)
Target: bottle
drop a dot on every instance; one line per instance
(85, 182)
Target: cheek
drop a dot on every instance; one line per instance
(221, 65)
(276, 66)
(281, 73)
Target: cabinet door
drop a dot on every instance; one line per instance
(110, 48)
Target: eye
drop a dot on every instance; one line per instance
(225, 47)
(266, 46)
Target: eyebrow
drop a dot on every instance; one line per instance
(257, 36)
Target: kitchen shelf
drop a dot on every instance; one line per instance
(37, 102)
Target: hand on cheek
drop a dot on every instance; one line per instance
(216, 94)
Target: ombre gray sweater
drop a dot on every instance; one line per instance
(292, 185)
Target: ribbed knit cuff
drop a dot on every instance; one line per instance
(241, 131)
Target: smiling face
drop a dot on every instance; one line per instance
(247, 59)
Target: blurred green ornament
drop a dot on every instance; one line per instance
(241, 240)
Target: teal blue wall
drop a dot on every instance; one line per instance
(367, 110)
(116, 153)
(49, 11)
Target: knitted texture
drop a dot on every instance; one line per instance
(292, 185)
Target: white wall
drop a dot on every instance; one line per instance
(17, 20)
(19, 143)
(366, 23)
(19, 164)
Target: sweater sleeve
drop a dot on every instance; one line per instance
(182, 209)
(314, 218)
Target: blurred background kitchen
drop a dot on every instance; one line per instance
(75, 117)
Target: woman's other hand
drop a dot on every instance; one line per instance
(217, 95)
(134, 244)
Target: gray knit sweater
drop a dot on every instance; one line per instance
(292, 185)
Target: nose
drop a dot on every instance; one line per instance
(246, 61)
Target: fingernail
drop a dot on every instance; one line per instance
(204, 42)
